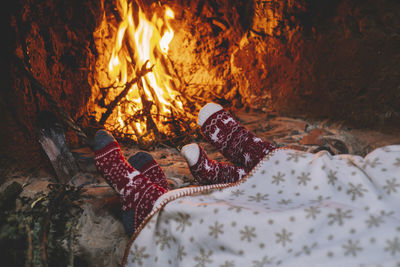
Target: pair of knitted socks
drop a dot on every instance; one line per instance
(235, 142)
(140, 180)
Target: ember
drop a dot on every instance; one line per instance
(134, 95)
(142, 70)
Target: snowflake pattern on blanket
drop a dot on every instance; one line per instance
(294, 209)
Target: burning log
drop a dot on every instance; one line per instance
(128, 86)
(141, 102)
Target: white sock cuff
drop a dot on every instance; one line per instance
(207, 111)
(191, 153)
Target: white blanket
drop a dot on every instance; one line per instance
(293, 209)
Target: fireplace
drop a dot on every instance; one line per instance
(308, 74)
(336, 60)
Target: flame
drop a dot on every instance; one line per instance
(140, 44)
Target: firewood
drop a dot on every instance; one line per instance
(114, 103)
(52, 139)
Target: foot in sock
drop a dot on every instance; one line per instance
(145, 163)
(138, 194)
(207, 171)
(235, 142)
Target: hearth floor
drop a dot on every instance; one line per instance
(296, 133)
(100, 222)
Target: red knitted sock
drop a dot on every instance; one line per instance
(146, 164)
(137, 192)
(235, 142)
(207, 171)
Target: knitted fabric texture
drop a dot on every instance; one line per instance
(191, 153)
(235, 142)
(154, 172)
(207, 171)
(137, 192)
(206, 111)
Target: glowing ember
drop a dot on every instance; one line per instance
(138, 96)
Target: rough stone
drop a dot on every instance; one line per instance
(315, 137)
(101, 239)
(322, 59)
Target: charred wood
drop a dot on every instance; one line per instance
(52, 139)
(114, 103)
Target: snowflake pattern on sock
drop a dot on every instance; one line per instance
(235, 142)
(137, 192)
(207, 171)
(154, 172)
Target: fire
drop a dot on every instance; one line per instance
(141, 98)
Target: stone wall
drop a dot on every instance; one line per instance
(337, 60)
(52, 41)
